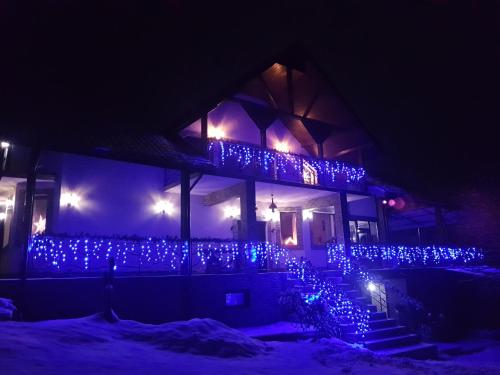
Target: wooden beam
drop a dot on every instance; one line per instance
(326, 201)
(247, 209)
(268, 91)
(204, 126)
(222, 195)
(311, 104)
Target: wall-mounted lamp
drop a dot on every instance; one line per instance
(40, 225)
(70, 199)
(231, 212)
(371, 287)
(216, 132)
(164, 207)
(307, 214)
(282, 146)
(3, 216)
(4, 145)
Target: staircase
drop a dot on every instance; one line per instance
(385, 336)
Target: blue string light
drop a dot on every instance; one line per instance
(399, 255)
(280, 165)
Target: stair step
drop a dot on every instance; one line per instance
(418, 351)
(371, 308)
(344, 286)
(381, 323)
(335, 279)
(362, 300)
(353, 293)
(378, 315)
(376, 334)
(391, 342)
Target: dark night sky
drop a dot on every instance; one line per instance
(422, 76)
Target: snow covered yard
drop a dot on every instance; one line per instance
(201, 346)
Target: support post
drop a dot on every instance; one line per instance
(186, 216)
(247, 209)
(382, 221)
(345, 222)
(320, 150)
(263, 138)
(29, 202)
(204, 127)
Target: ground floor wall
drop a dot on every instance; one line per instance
(154, 299)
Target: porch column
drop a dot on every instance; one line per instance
(345, 222)
(263, 138)
(28, 209)
(381, 220)
(247, 209)
(186, 216)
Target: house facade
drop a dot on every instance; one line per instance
(277, 171)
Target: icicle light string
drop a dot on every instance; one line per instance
(285, 165)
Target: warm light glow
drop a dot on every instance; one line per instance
(384, 201)
(3, 216)
(4, 144)
(164, 207)
(40, 225)
(269, 215)
(291, 241)
(231, 211)
(70, 199)
(216, 132)
(307, 214)
(371, 287)
(8, 203)
(282, 146)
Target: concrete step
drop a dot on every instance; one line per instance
(378, 315)
(381, 323)
(362, 300)
(353, 293)
(392, 342)
(420, 350)
(371, 308)
(344, 286)
(376, 334)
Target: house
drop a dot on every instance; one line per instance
(203, 222)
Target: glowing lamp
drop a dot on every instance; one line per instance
(4, 145)
(70, 199)
(231, 211)
(3, 216)
(216, 132)
(164, 207)
(371, 287)
(391, 202)
(307, 214)
(282, 146)
(384, 202)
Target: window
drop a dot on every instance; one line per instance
(288, 225)
(363, 231)
(322, 228)
(309, 173)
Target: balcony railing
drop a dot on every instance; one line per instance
(275, 165)
(394, 256)
(58, 254)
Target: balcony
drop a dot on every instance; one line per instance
(281, 166)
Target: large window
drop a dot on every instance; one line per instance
(322, 228)
(363, 231)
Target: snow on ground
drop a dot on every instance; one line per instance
(200, 346)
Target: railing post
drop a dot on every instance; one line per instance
(345, 222)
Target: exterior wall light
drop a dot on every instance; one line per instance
(371, 287)
(282, 146)
(3, 216)
(231, 212)
(163, 207)
(216, 132)
(4, 145)
(70, 199)
(307, 214)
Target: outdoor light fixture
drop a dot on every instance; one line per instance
(164, 207)
(282, 146)
(70, 199)
(4, 145)
(216, 132)
(371, 287)
(3, 216)
(272, 206)
(307, 214)
(231, 211)
(271, 216)
(384, 202)
(40, 225)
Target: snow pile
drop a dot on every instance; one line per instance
(7, 309)
(197, 336)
